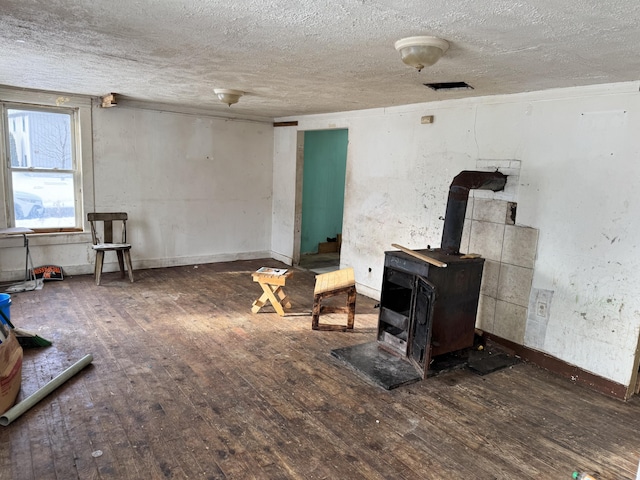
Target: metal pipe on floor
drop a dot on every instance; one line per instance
(17, 410)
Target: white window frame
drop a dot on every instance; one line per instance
(83, 153)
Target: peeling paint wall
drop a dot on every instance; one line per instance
(580, 190)
(579, 153)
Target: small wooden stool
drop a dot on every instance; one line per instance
(272, 280)
(329, 285)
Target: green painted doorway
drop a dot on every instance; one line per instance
(324, 172)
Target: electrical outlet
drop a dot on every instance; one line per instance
(426, 119)
(541, 308)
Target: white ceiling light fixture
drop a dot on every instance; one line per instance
(422, 51)
(227, 95)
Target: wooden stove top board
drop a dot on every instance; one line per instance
(436, 254)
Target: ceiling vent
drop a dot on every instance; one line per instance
(449, 86)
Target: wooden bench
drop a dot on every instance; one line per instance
(331, 284)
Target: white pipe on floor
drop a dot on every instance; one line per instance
(17, 410)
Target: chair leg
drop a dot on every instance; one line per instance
(127, 257)
(351, 307)
(120, 262)
(316, 312)
(98, 269)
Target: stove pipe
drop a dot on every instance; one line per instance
(457, 203)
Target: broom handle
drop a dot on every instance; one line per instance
(6, 319)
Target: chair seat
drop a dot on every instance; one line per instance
(330, 281)
(112, 246)
(338, 282)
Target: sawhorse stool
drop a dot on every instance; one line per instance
(272, 281)
(329, 285)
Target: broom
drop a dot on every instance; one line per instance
(26, 339)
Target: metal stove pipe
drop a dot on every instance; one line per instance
(457, 203)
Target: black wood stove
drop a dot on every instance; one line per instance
(429, 299)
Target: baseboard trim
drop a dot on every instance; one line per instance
(563, 369)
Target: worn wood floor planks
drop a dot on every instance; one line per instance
(188, 383)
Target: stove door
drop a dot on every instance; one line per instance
(419, 350)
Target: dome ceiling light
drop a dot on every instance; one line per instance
(227, 95)
(420, 52)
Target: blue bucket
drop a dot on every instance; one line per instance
(5, 306)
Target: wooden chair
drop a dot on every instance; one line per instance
(122, 248)
(331, 284)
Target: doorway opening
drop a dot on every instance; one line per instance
(322, 166)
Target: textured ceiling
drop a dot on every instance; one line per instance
(311, 56)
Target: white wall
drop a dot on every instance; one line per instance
(197, 190)
(579, 153)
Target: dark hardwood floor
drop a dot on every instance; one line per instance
(187, 383)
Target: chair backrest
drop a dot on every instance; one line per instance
(107, 219)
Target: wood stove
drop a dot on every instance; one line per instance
(429, 299)
(425, 310)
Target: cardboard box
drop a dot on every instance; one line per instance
(327, 247)
(10, 371)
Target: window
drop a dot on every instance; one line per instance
(43, 167)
